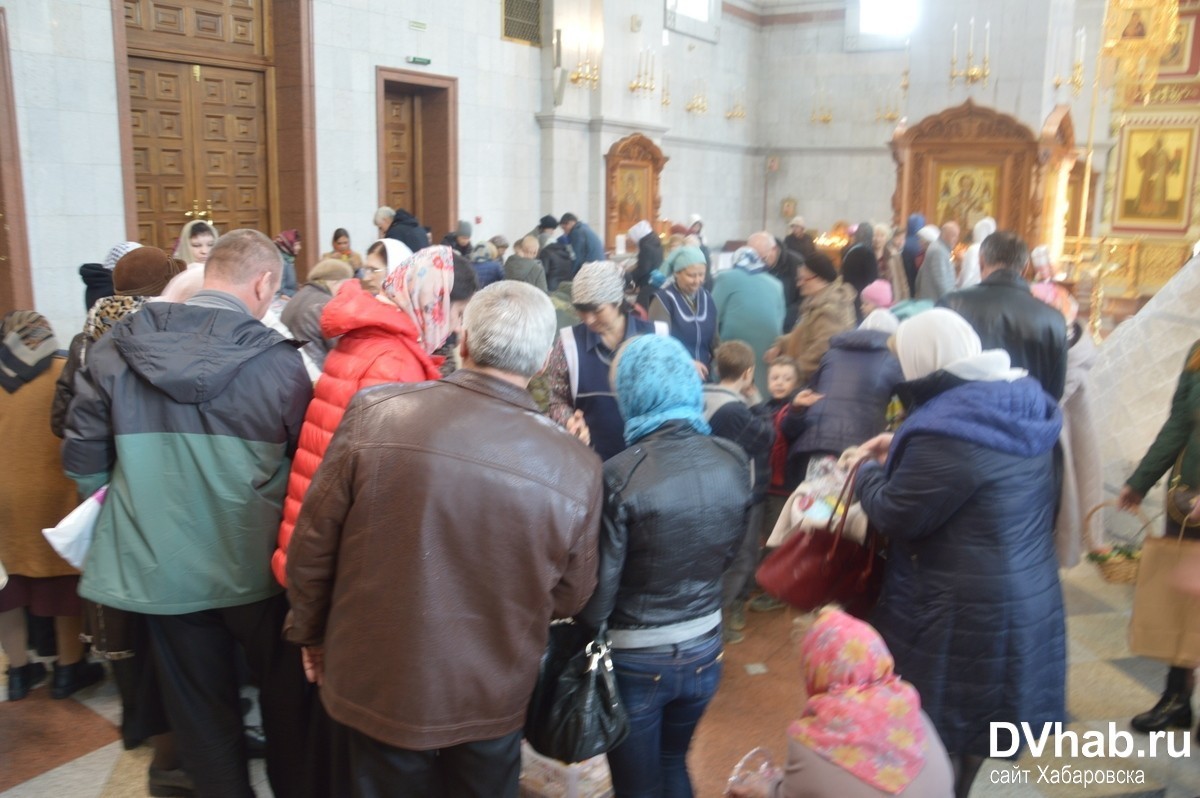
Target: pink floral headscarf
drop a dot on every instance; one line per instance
(860, 716)
(420, 286)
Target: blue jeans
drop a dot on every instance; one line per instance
(665, 693)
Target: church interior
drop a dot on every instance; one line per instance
(1074, 123)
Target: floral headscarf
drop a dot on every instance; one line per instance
(27, 344)
(287, 240)
(860, 716)
(420, 286)
(748, 260)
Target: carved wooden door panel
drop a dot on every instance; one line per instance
(401, 129)
(199, 142)
(163, 160)
(230, 112)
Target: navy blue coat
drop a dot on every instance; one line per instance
(972, 608)
(857, 377)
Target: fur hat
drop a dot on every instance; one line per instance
(145, 271)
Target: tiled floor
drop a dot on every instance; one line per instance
(759, 695)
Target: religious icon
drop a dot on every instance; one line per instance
(966, 194)
(1134, 28)
(633, 200)
(1155, 174)
(787, 208)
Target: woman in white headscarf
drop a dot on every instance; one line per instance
(965, 492)
(969, 275)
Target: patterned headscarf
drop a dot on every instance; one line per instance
(657, 382)
(748, 260)
(287, 240)
(420, 286)
(118, 252)
(107, 312)
(860, 716)
(27, 344)
(600, 282)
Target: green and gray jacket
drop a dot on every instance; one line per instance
(1179, 435)
(190, 412)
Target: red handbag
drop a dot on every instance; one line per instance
(821, 566)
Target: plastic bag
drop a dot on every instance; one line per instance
(753, 775)
(73, 536)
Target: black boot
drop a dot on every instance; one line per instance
(1174, 709)
(23, 679)
(69, 679)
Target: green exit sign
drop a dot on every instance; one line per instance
(413, 59)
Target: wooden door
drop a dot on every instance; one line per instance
(199, 137)
(402, 150)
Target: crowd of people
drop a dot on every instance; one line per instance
(369, 491)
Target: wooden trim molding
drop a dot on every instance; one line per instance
(439, 142)
(16, 281)
(124, 131)
(293, 148)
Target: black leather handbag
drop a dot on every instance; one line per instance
(575, 712)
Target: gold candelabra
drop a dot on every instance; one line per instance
(972, 72)
(697, 105)
(643, 82)
(586, 72)
(1075, 81)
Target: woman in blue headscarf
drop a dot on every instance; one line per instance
(687, 307)
(676, 507)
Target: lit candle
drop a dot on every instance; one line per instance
(954, 33)
(907, 52)
(650, 72)
(1082, 45)
(971, 40)
(987, 39)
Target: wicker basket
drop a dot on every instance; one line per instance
(1118, 569)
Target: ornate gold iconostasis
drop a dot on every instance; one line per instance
(633, 170)
(1151, 216)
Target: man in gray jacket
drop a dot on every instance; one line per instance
(936, 276)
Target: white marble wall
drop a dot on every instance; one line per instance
(499, 93)
(64, 81)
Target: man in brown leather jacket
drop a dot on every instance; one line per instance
(449, 522)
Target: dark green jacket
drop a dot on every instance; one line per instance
(190, 412)
(1181, 433)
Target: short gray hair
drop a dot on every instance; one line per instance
(510, 326)
(240, 256)
(383, 214)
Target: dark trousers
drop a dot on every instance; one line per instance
(738, 579)
(196, 657)
(483, 769)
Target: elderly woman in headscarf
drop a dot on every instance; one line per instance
(970, 275)
(860, 267)
(862, 733)
(966, 493)
(139, 275)
(687, 307)
(675, 513)
(750, 307)
(826, 309)
(387, 338)
(649, 258)
(577, 372)
(288, 244)
(35, 494)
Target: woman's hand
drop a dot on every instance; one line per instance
(875, 449)
(770, 355)
(313, 658)
(579, 428)
(1130, 500)
(702, 370)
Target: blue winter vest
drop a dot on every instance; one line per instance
(694, 329)
(588, 363)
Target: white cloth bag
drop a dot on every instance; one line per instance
(73, 536)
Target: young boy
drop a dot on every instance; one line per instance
(729, 415)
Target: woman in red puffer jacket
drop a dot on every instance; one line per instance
(389, 338)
